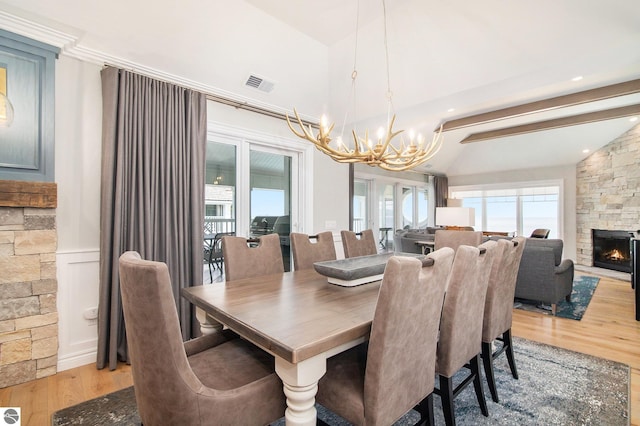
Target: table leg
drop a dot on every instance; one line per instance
(300, 383)
(209, 326)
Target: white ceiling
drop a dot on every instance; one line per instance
(470, 56)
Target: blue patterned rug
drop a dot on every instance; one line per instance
(556, 387)
(583, 288)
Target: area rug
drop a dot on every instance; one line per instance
(583, 288)
(556, 387)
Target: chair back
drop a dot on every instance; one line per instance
(540, 233)
(498, 307)
(402, 347)
(306, 252)
(163, 379)
(555, 245)
(454, 238)
(353, 246)
(244, 261)
(463, 310)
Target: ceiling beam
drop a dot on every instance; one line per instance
(589, 117)
(586, 96)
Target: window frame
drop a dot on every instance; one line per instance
(516, 186)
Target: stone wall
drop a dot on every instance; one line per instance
(28, 288)
(608, 191)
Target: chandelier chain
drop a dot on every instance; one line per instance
(382, 153)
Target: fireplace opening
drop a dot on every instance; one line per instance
(612, 249)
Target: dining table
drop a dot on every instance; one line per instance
(298, 317)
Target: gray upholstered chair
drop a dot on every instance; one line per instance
(540, 233)
(377, 384)
(306, 252)
(244, 261)
(455, 238)
(543, 275)
(498, 308)
(460, 341)
(214, 379)
(360, 244)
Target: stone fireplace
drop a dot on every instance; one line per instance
(28, 284)
(608, 194)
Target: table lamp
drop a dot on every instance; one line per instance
(455, 217)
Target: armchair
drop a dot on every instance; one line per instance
(543, 275)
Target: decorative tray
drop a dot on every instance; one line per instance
(358, 270)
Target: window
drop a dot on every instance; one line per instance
(385, 204)
(509, 209)
(220, 188)
(361, 190)
(252, 174)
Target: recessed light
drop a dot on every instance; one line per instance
(451, 109)
(632, 119)
(577, 78)
(585, 151)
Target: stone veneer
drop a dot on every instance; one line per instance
(28, 288)
(608, 191)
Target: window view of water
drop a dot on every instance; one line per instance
(518, 210)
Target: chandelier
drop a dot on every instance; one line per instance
(382, 152)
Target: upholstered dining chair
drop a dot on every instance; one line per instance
(214, 379)
(306, 252)
(455, 238)
(244, 260)
(358, 244)
(540, 233)
(498, 308)
(377, 384)
(461, 325)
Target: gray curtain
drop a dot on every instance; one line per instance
(441, 189)
(152, 193)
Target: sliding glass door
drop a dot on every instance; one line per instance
(361, 204)
(270, 201)
(220, 188)
(252, 188)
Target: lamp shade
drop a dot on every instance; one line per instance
(455, 216)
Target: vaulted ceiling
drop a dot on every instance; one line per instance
(448, 59)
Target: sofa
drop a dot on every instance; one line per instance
(543, 275)
(404, 240)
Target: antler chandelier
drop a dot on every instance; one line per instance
(382, 153)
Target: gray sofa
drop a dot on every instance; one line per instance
(543, 275)
(404, 240)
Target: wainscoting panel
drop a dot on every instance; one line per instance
(78, 283)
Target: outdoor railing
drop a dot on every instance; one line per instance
(215, 225)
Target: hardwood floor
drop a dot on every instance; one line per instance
(607, 330)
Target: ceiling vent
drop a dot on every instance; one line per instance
(259, 83)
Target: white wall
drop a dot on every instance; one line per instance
(568, 208)
(77, 169)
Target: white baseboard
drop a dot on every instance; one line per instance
(76, 360)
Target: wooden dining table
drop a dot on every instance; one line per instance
(299, 318)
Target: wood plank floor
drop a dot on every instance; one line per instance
(607, 330)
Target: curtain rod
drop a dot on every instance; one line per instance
(216, 98)
(253, 108)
